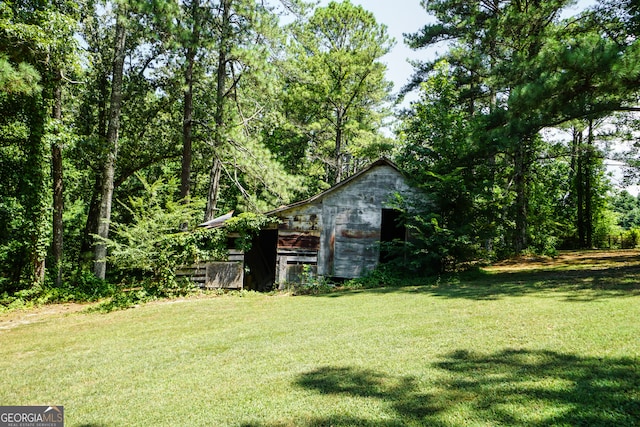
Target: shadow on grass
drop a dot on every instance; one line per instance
(587, 284)
(510, 387)
(334, 421)
(401, 394)
(523, 387)
(577, 285)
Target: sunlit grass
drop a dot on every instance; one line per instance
(497, 350)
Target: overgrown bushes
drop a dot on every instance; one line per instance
(157, 237)
(154, 244)
(83, 288)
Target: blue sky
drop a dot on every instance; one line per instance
(408, 16)
(400, 16)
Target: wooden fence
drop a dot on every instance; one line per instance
(216, 274)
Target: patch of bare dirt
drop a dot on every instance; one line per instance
(16, 318)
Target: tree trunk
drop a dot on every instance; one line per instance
(187, 112)
(187, 125)
(58, 195)
(338, 151)
(520, 182)
(214, 189)
(91, 226)
(578, 166)
(582, 239)
(37, 198)
(100, 263)
(87, 245)
(223, 52)
(588, 196)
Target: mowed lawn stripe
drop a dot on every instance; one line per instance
(384, 357)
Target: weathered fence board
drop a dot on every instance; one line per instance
(215, 275)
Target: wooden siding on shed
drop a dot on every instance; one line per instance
(305, 240)
(298, 243)
(351, 222)
(300, 220)
(217, 274)
(290, 266)
(341, 227)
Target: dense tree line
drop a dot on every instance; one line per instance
(193, 108)
(219, 101)
(483, 138)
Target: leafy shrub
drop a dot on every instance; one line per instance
(435, 249)
(384, 275)
(310, 283)
(152, 244)
(544, 244)
(155, 243)
(85, 287)
(628, 239)
(247, 225)
(169, 287)
(633, 237)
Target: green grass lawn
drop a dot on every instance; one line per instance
(514, 346)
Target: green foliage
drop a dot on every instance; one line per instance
(505, 60)
(37, 45)
(83, 287)
(552, 213)
(258, 181)
(436, 249)
(633, 238)
(20, 79)
(25, 194)
(336, 90)
(152, 242)
(144, 291)
(310, 283)
(384, 275)
(246, 225)
(438, 155)
(627, 208)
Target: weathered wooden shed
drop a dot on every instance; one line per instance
(336, 233)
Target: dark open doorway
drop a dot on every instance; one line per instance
(393, 233)
(260, 262)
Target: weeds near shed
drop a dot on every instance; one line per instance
(84, 288)
(383, 275)
(310, 283)
(147, 290)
